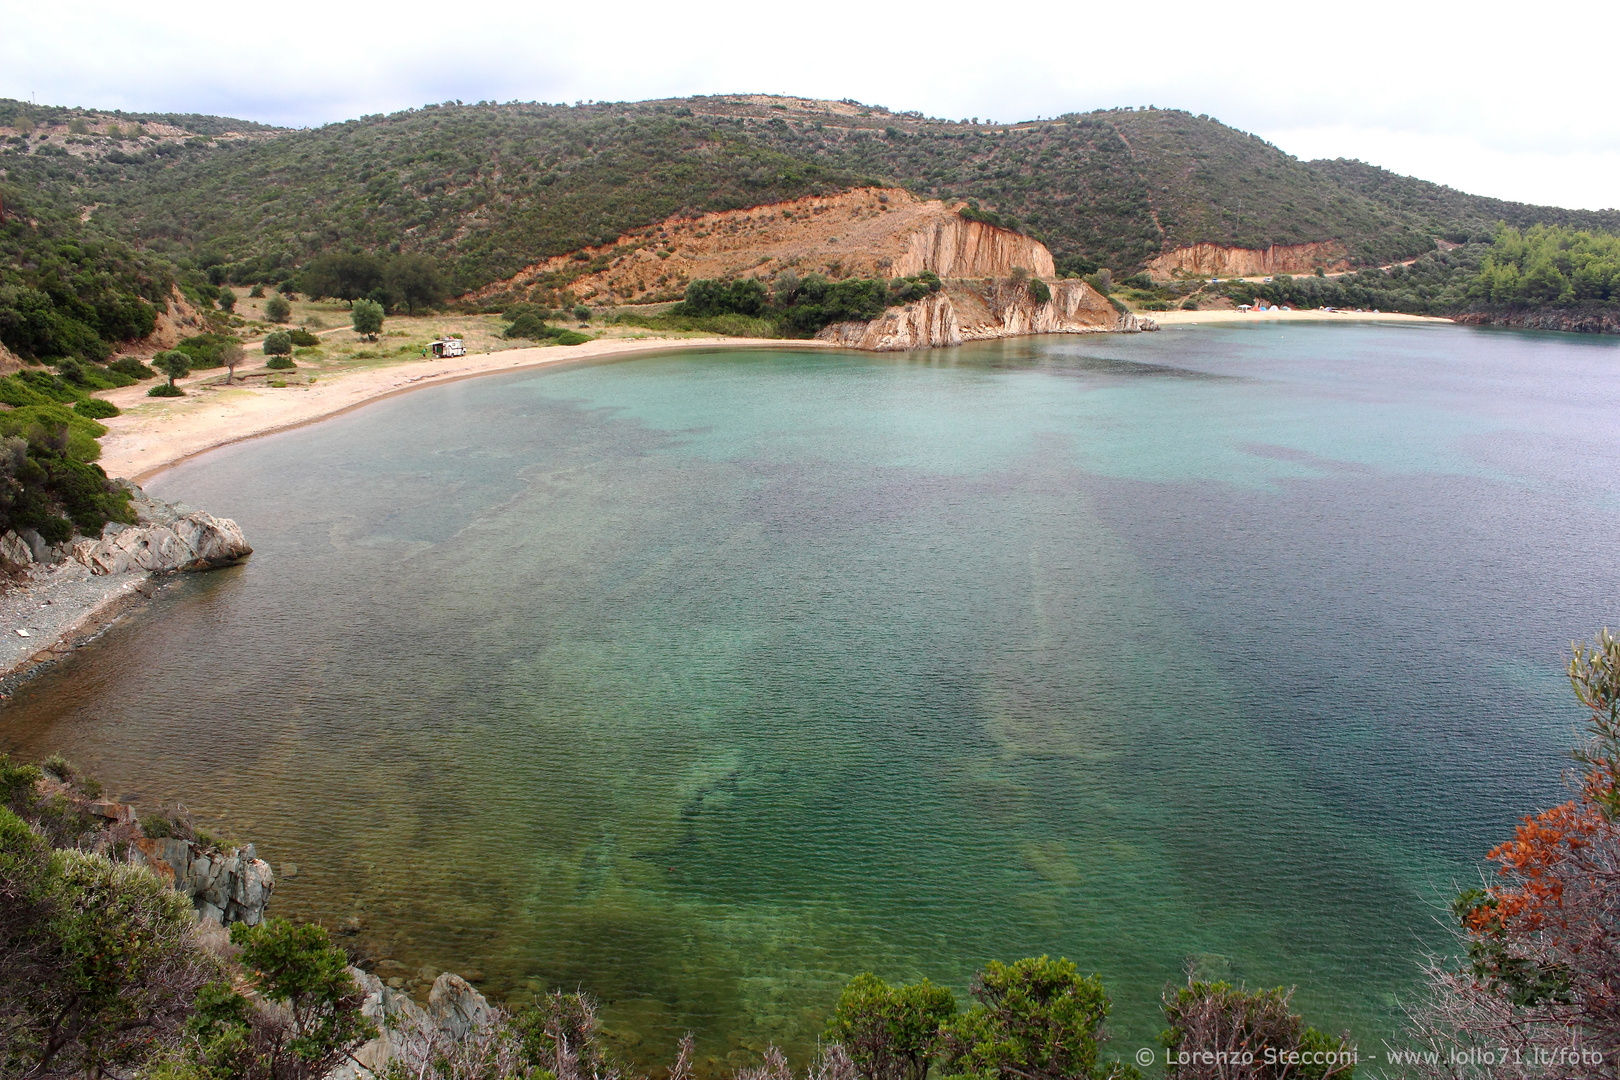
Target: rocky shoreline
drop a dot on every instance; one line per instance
(62, 596)
(1572, 321)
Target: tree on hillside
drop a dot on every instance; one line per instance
(278, 347)
(277, 310)
(367, 316)
(413, 280)
(1541, 981)
(343, 275)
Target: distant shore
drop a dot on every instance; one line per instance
(157, 434)
(1220, 315)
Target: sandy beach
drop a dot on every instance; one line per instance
(1187, 318)
(156, 433)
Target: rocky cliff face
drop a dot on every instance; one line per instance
(954, 247)
(980, 310)
(1213, 260)
(227, 887)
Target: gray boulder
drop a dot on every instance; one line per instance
(195, 541)
(14, 551)
(456, 1007)
(225, 887)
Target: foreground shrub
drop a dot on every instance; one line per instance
(165, 390)
(99, 962)
(1218, 1030)
(1036, 1019)
(280, 363)
(1540, 985)
(890, 1032)
(561, 1034)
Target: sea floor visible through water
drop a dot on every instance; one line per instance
(704, 681)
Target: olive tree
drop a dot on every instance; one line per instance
(173, 363)
(367, 317)
(277, 310)
(278, 347)
(230, 355)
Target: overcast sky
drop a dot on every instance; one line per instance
(1515, 101)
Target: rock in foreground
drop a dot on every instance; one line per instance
(167, 537)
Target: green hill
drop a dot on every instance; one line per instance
(488, 188)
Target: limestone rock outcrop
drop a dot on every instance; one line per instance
(954, 247)
(454, 1009)
(227, 887)
(15, 552)
(978, 311)
(1216, 260)
(168, 537)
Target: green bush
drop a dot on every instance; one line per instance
(570, 337)
(280, 363)
(890, 1032)
(527, 325)
(300, 969)
(303, 338)
(165, 390)
(99, 968)
(1036, 1019)
(95, 408)
(367, 318)
(132, 368)
(1040, 290)
(277, 310)
(278, 344)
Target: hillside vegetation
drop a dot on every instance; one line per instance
(487, 189)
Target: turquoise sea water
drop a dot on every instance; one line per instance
(707, 680)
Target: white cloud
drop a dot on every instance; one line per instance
(1485, 96)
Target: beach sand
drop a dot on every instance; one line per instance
(1186, 318)
(156, 433)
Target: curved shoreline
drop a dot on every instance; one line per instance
(154, 437)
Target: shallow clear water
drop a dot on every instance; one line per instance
(707, 680)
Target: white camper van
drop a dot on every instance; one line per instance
(448, 347)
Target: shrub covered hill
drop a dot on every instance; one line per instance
(487, 189)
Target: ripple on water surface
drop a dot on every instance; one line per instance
(707, 680)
